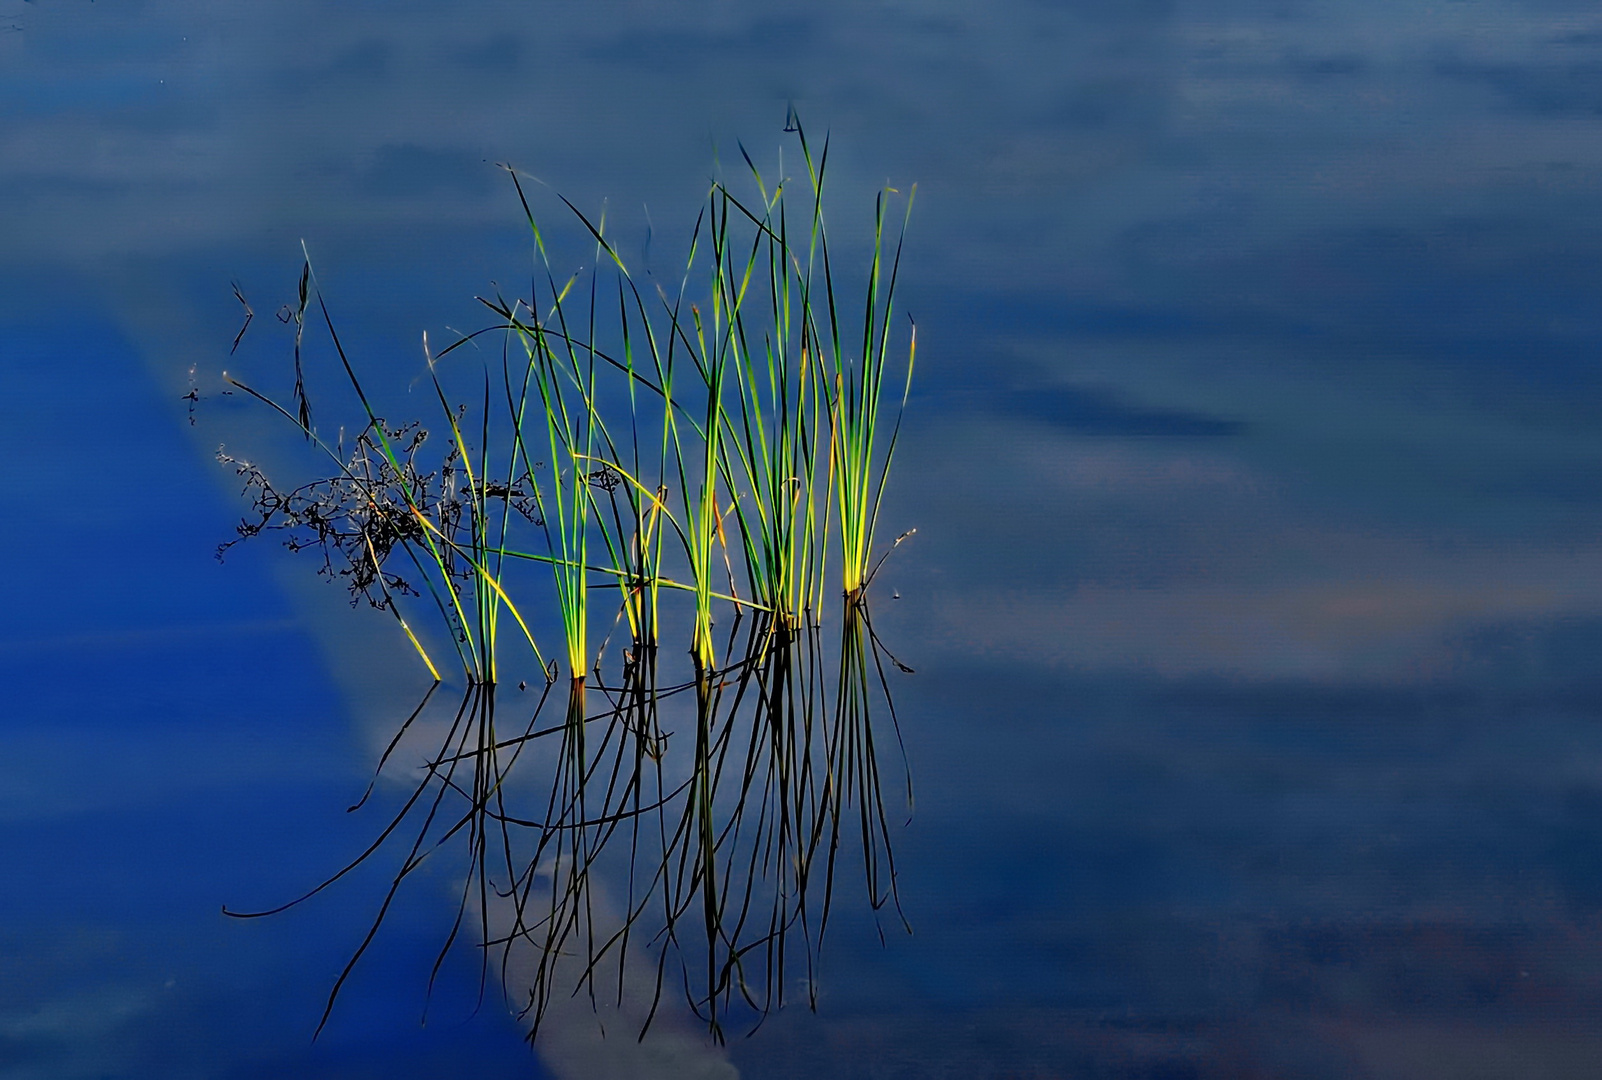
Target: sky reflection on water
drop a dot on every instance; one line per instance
(1256, 593)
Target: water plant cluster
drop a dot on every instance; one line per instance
(684, 482)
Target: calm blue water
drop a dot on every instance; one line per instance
(1256, 599)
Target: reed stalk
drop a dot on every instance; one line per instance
(718, 440)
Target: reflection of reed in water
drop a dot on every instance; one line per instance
(647, 834)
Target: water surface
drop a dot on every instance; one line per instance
(1256, 594)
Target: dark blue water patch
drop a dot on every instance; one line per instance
(1122, 105)
(363, 63)
(1088, 410)
(1320, 66)
(968, 362)
(495, 55)
(1458, 289)
(137, 728)
(1248, 807)
(1085, 1044)
(1573, 844)
(1512, 670)
(405, 170)
(1560, 482)
(120, 39)
(1548, 86)
(773, 38)
(123, 527)
(127, 90)
(1436, 966)
(25, 189)
(1507, 285)
(1556, 660)
(1035, 312)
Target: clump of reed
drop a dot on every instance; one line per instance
(704, 452)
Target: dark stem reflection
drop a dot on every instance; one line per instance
(627, 832)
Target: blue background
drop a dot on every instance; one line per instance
(1256, 598)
